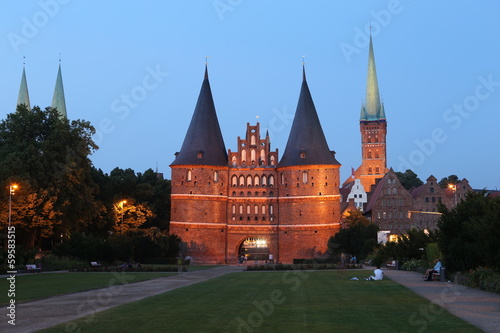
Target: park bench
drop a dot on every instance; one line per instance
(95, 264)
(33, 269)
(391, 265)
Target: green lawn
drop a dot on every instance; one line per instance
(43, 285)
(322, 301)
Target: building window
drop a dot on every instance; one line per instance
(304, 177)
(249, 180)
(242, 180)
(272, 160)
(264, 181)
(256, 209)
(271, 180)
(370, 171)
(271, 209)
(426, 199)
(256, 180)
(233, 209)
(433, 199)
(189, 175)
(394, 191)
(249, 209)
(216, 176)
(432, 189)
(263, 156)
(377, 170)
(252, 140)
(234, 160)
(252, 156)
(241, 209)
(369, 154)
(263, 209)
(234, 180)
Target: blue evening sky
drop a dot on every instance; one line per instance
(134, 70)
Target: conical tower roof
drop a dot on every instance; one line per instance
(58, 100)
(372, 109)
(203, 144)
(24, 97)
(307, 143)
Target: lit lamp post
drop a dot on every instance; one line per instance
(453, 187)
(121, 206)
(12, 189)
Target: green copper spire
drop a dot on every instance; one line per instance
(58, 101)
(24, 97)
(373, 109)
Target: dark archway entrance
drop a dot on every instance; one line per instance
(254, 249)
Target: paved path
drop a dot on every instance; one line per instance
(36, 315)
(480, 308)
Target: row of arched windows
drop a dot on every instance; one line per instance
(250, 181)
(253, 159)
(257, 194)
(262, 209)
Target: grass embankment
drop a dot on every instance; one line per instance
(298, 301)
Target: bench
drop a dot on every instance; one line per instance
(94, 264)
(33, 269)
(391, 265)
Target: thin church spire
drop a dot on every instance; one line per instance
(58, 100)
(24, 97)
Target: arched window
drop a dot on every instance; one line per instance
(252, 140)
(252, 156)
(249, 209)
(263, 209)
(377, 170)
(242, 180)
(256, 209)
(234, 160)
(272, 160)
(189, 175)
(282, 178)
(256, 180)
(370, 170)
(243, 156)
(394, 191)
(263, 156)
(216, 176)
(433, 199)
(249, 180)
(426, 199)
(234, 180)
(369, 154)
(304, 177)
(271, 209)
(264, 181)
(376, 139)
(271, 180)
(241, 209)
(233, 209)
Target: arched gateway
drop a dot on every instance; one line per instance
(254, 249)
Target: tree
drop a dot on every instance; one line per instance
(48, 158)
(409, 179)
(451, 179)
(469, 233)
(359, 239)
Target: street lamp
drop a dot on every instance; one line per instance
(453, 187)
(12, 189)
(121, 206)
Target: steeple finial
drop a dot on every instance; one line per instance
(206, 68)
(303, 68)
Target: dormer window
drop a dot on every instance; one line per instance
(302, 155)
(200, 154)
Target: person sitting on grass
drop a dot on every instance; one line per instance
(428, 273)
(378, 274)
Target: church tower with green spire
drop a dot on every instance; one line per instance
(24, 97)
(373, 127)
(58, 100)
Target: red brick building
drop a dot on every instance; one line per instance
(229, 204)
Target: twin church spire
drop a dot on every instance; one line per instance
(58, 99)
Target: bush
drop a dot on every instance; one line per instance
(53, 263)
(481, 278)
(414, 265)
(296, 267)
